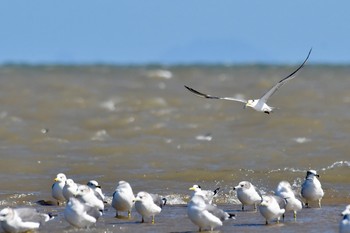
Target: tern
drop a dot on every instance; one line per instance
(259, 105)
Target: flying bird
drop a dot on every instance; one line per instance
(259, 105)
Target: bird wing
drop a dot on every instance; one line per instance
(92, 211)
(200, 94)
(219, 213)
(158, 200)
(258, 191)
(281, 201)
(267, 95)
(30, 215)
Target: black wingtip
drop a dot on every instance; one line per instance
(164, 200)
(231, 216)
(216, 190)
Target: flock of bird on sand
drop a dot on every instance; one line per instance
(85, 203)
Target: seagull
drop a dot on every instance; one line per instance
(87, 195)
(259, 105)
(206, 215)
(208, 195)
(57, 187)
(22, 219)
(248, 194)
(311, 189)
(81, 214)
(284, 190)
(344, 226)
(93, 184)
(70, 189)
(123, 198)
(270, 208)
(146, 206)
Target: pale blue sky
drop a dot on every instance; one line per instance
(172, 32)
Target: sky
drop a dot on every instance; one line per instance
(174, 32)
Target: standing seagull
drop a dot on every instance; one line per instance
(270, 208)
(146, 206)
(123, 198)
(22, 219)
(284, 190)
(81, 214)
(57, 188)
(259, 105)
(248, 194)
(311, 189)
(206, 215)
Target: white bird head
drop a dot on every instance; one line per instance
(93, 184)
(6, 214)
(69, 182)
(195, 188)
(243, 185)
(60, 177)
(311, 173)
(83, 190)
(123, 185)
(143, 197)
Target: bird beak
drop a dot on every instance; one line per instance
(192, 189)
(56, 179)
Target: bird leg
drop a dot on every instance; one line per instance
(129, 213)
(153, 219)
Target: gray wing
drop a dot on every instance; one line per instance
(267, 95)
(93, 211)
(219, 213)
(200, 94)
(97, 194)
(281, 201)
(158, 200)
(258, 191)
(31, 215)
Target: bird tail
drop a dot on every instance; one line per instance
(231, 216)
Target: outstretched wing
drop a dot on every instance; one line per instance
(200, 94)
(267, 95)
